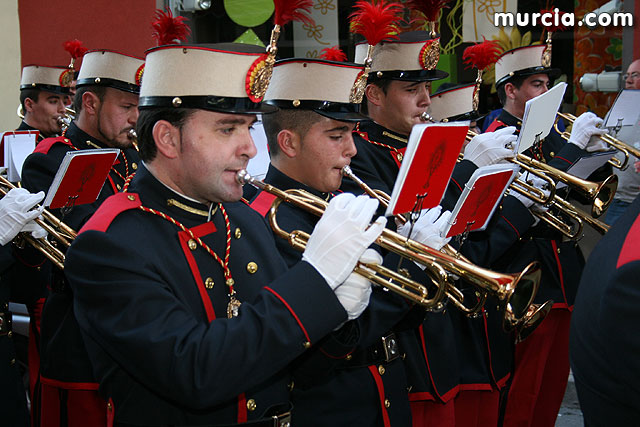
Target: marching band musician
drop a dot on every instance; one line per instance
(43, 91)
(16, 215)
(203, 316)
(397, 95)
(536, 394)
(362, 381)
(106, 110)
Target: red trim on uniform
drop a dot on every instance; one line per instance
(474, 387)
(304, 331)
(495, 125)
(509, 222)
(262, 202)
(109, 210)
(380, 386)
(426, 359)
(630, 251)
(503, 381)
(562, 305)
(113, 184)
(486, 336)
(242, 408)
(456, 183)
(45, 145)
(68, 385)
(562, 158)
(198, 231)
(16, 254)
(330, 356)
(555, 254)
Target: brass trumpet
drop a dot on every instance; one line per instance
(599, 193)
(515, 291)
(626, 149)
(62, 233)
(457, 297)
(63, 121)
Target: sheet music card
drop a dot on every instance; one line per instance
(80, 177)
(588, 164)
(432, 152)
(17, 145)
(482, 194)
(539, 116)
(624, 111)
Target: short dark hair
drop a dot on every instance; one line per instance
(28, 93)
(516, 81)
(99, 91)
(299, 121)
(148, 118)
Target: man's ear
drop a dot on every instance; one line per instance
(374, 94)
(28, 105)
(90, 103)
(167, 139)
(289, 143)
(509, 90)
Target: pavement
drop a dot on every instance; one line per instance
(570, 414)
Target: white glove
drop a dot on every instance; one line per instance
(429, 228)
(536, 182)
(355, 292)
(491, 147)
(584, 127)
(341, 236)
(15, 212)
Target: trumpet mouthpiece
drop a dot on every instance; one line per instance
(426, 117)
(243, 177)
(346, 171)
(132, 134)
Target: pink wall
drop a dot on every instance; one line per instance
(120, 25)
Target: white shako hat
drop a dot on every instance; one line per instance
(111, 69)
(50, 79)
(216, 77)
(453, 104)
(410, 57)
(522, 61)
(315, 84)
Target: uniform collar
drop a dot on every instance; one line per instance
(283, 182)
(25, 126)
(509, 119)
(166, 199)
(383, 135)
(82, 140)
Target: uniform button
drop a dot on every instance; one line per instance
(252, 267)
(12, 362)
(552, 154)
(192, 244)
(381, 370)
(119, 187)
(291, 385)
(237, 233)
(399, 156)
(229, 282)
(134, 166)
(387, 403)
(208, 283)
(306, 344)
(251, 405)
(66, 140)
(558, 250)
(349, 357)
(131, 197)
(109, 406)
(519, 123)
(404, 356)
(10, 334)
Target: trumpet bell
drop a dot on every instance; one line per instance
(523, 290)
(534, 317)
(604, 195)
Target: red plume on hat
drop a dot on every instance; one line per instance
(75, 49)
(430, 9)
(375, 21)
(292, 10)
(481, 56)
(333, 54)
(168, 29)
(259, 74)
